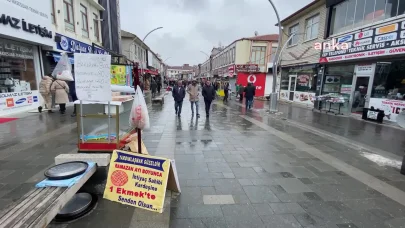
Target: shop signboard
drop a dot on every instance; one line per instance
(391, 108)
(364, 69)
(140, 180)
(71, 45)
(380, 41)
(12, 49)
(346, 89)
(27, 20)
(231, 70)
(118, 75)
(247, 68)
(18, 100)
(258, 80)
(284, 95)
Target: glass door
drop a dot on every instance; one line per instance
(292, 82)
(361, 94)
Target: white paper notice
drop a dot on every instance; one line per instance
(92, 77)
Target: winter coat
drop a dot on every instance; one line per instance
(45, 85)
(208, 92)
(60, 89)
(193, 92)
(241, 90)
(250, 92)
(178, 93)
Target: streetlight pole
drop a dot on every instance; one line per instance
(273, 95)
(143, 41)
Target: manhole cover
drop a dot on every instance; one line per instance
(81, 204)
(66, 170)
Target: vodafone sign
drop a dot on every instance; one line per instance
(257, 79)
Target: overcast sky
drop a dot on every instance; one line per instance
(191, 26)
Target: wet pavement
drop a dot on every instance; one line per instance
(236, 169)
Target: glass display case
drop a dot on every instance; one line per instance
(99, 132)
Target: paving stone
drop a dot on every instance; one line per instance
(286, 208)
(322, 166)
(293, 185)
(208, 191)
(263, 209)
(260, 194)
(229, 175)
(199, 183)
(244, 182)
(281, 221)
(244, 173)
(228, 186)
(218, 199)
(219, 167)
(204, 211)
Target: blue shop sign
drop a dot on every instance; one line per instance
(75, 46)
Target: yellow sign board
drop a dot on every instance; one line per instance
(118, 75)
(137, 180)
(386, 29)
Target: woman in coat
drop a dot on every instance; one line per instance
(60, 89)
(45, 91)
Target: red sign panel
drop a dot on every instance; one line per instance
(258, 80)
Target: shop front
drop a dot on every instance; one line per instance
(250, 73)
(298, 84)
(370, 73)
(23, 32)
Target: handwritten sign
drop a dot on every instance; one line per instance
(92, 76)
(138, 180)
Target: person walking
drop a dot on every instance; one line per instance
(250, 91)
(153, 87)
(241, 90)
(193, 92)
(159, 85)
(208, 93)
(45, 91)
(178, 94)
(61, 90)
(226, 92)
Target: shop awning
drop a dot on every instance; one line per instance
(56, 57)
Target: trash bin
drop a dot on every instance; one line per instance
(372, 114)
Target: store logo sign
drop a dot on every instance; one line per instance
(25, 26)
(20, 101)
(10, 102)
(64, 43)
(35, 98)
(363, 34)
(252, 78)
(386, 29)
(344, 39)
(29, 100)
(386, 37)
(362, 42)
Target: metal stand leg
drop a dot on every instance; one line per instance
(81, 120)
(109, 124)
(139, 141)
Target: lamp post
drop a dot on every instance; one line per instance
(273, 95)
(143, 41)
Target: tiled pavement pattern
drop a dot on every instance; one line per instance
(233, 173)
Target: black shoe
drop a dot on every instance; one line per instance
(62, 112)
(208, 116)
(178, 115)
(50, 111)
(198, 115)
(73, 115)
(40, 109)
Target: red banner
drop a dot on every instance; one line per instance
(258, 80)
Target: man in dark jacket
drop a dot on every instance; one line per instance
(208, 93)
(250, 91)
(178, 94)
(72, 93)
(241, 91)
(153, 87)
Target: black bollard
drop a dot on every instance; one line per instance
(403, 166)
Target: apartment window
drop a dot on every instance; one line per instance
(69, 18)
(53, 11)
(352, 14)
(293, 30)
(312, 27)
(258, 55)
(85, 25)
(96, 27)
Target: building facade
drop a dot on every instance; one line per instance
(25, 28)
(110, 26)
(181, 72)
(244, 60)
(363, 55)
(299, 60)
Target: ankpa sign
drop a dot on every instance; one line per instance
(380, 41)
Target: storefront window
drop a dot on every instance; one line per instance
(338, 81)
(17, 70)
(389, 80)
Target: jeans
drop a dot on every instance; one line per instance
(249, 103)
(192, 106)
(177, 106)
(207, 106)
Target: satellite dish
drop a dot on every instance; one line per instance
(401, 119)
(256, 33)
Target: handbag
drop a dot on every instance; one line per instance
(64, 88)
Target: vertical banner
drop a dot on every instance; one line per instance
(137, 180)
(128, 70)
(92, 76)
(258, 80)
